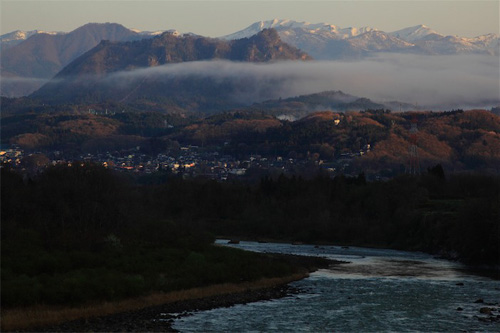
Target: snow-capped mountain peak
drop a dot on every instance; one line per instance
(261, 25)
(284, 25)
(21, 35)
(415, 33)
(16, 37)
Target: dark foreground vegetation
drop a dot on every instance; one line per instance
(79, 234)
(82, 233)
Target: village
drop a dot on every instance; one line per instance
(189, 162)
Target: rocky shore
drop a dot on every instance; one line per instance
(159, 318)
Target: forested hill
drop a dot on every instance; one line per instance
(170, 48)
(85, 80)
(371, 141)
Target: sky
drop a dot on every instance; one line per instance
(216, 18)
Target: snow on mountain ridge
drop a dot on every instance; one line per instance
(378, 40)
(415, 33)
(21, 34)
(281, 25)
(18, 36)
(328, 41)
(156, 33)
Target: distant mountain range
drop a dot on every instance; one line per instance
(28, 58)
(328, 41)
(42, 55)
(16, 37)
(31, 59)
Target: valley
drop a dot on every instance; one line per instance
(131, 158)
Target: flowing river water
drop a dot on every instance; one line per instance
(378, 290)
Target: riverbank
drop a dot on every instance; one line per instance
(155, 313)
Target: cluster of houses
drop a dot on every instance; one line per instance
(12, 156)
(188, 162)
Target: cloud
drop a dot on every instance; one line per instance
(15, 86)
(432, 81)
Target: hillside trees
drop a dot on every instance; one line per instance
(70, 207)
(81, 233)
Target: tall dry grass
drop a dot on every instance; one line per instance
(41, 315)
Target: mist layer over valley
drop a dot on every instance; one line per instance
(432, 82)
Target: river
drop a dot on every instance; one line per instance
(378, 290)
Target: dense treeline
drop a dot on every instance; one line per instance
(78, 234)
(456, 217)
(58, 226)
(78, 206)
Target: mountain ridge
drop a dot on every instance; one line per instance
(18, 36)
(327, 41)
(171, 48)
(42, 55)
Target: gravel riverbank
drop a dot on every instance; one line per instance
(158, 318)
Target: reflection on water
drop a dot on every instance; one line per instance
(378, 290)
(384, 267)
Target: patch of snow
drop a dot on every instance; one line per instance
(18, 36)
(415, 33)
(155, 33)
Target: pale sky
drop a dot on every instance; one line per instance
(215, 18)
